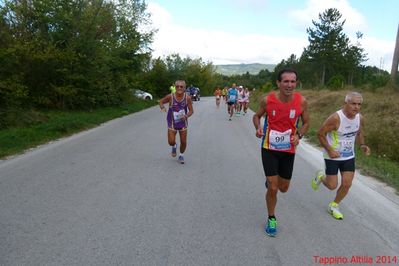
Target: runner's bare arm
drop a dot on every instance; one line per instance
(360, 138)
(164, 100)
(258, 116)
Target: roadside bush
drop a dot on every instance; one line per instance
(18, 117)
(336, 82)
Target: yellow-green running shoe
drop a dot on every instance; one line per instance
(317, 180)
(333, 209)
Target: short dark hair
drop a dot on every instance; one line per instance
(286, 70)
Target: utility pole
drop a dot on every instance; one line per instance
(395, 59)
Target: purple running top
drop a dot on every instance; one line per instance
(175, 113)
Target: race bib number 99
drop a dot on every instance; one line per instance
(280, 140)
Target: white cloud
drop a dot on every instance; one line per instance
(252, 5)
(217, 46)
(355, 21)
(380, 52)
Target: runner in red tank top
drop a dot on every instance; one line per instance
(281, 123)
(281, 135)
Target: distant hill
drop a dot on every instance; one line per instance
(239, 69)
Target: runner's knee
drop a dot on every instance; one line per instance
(346, 184)
(171, 142)
(272, 188)
(284, 188)
(331, 185)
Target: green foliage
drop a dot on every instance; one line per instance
(268, 86)
(336, 82)
(70, 54)
(372, 77)
(260, 81)
(327, 43)
(163, 72)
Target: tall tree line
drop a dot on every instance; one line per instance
(162, 72)
(331, 59)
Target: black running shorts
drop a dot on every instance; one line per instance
(278, 163)
(332, 166)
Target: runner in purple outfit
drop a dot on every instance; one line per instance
(180, 109)
(175, 113)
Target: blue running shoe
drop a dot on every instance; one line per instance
(271, 227)
(181, 159)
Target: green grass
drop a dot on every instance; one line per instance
(379, 166)
(58, 124)
(380, 110)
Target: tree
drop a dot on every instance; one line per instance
(161, 73)
(395, 60)
(290, 62)
(329, 52)
(354, 56)
(158, 79)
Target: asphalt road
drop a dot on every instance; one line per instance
(114, 196)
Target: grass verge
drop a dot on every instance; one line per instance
(58, 124)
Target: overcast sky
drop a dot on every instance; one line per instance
(266, 31)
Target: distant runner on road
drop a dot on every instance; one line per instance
(180, 109)
(218, 96)
(232, 95)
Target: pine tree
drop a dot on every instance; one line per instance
(329, 52)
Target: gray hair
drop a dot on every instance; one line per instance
(183, 82)
(352, 95)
